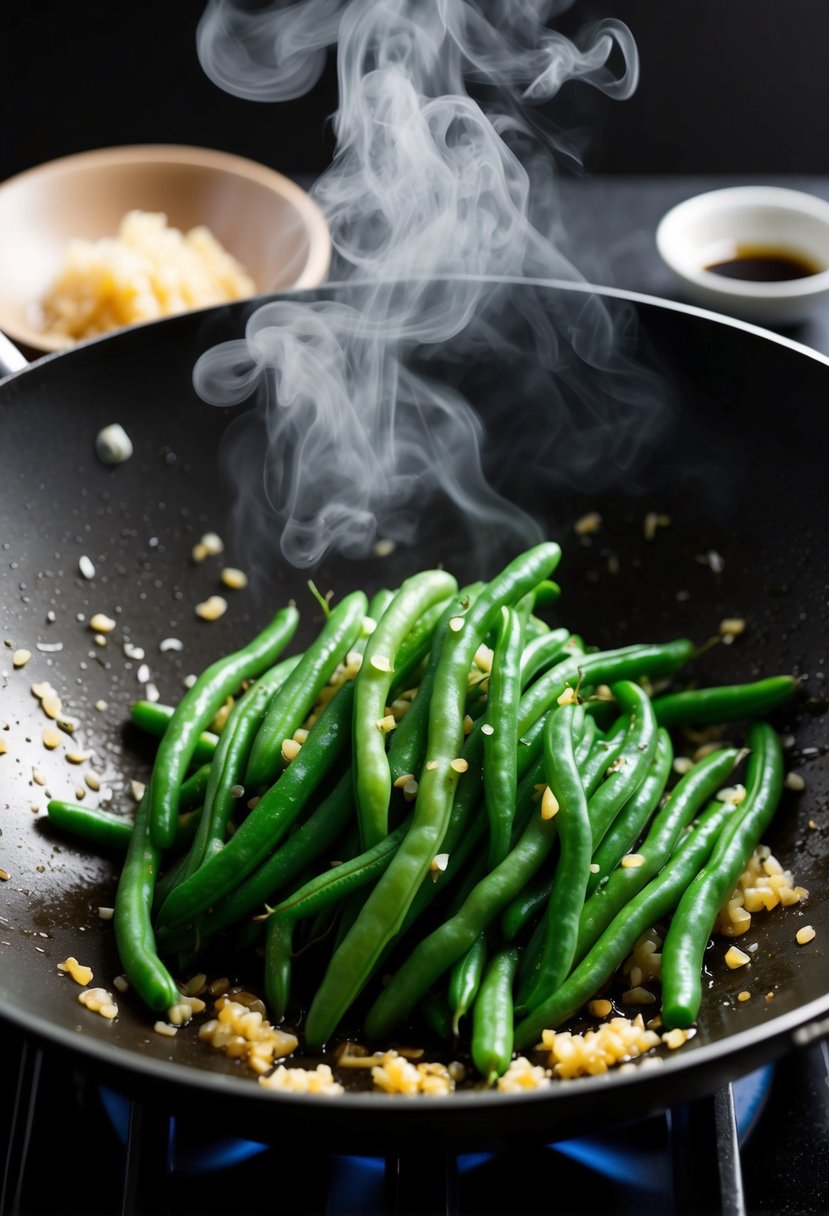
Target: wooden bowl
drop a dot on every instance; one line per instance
(267, 222)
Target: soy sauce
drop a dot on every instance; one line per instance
(762, 264)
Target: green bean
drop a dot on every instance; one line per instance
(652, 904)
(228, 764)
(500, 731)
(544, 650)
(492, 1016)
(317, 834)
(296, 698)
(154, 718)
(372, 776)
(573, 866)
(729, 703)
(628, 771)
(271, 818)
(133, 927)
(278, 965)
(629, 823)
(387, 905)
(694, 919)
(408, 741)
(686, 799)
(465, 980)
(198, 707)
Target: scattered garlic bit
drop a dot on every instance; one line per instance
(403, 780)
(431, 765)
(521, 1075)
(290, 750)
(549, 804)
(468, 724)
(4, 875)
(487, 729)
(101, 623)
(644, 963)
(106, 914)
(764, 884)
(483, 659)
(677, 1037)
(732, 627)
(381, 662)
(137, 789)
(594, 1052)
(438, 864)
(121, 983)
(568, 697)
(3, 747)
(51, 737)
(386, 724)
(654, 520)
(237, 580)
(734, 958)
(79, 757)
(210, 545)
(795, 782)
(300, 735)
(599, 1008)
(594, 867)
(682, 765)
(38, 777)
(410, 790)
(196, 985)
(743, 996)
(384, 547)
(21, 657)
(102, 706)
(588, 525)
(112, 444)
(734, 794)
(93, 781)
(165, 1029)
(396, 1075)
(243, 1033)
(86, 567)
(170, 644)
(319, 1080)
(99, 1001)
(79, 972)
(804, 935)
(459, 765)
(183, 1010)
(617, 765)
(632, 861)
(212, 608)
(638, 996)
(456, 624)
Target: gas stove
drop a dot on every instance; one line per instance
(759, 1146)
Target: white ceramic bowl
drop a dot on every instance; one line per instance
(713, 227)
(265, 220)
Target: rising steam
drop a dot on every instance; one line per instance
(435, 199)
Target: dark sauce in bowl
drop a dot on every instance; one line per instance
(764, 264)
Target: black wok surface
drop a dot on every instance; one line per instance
(737, 463)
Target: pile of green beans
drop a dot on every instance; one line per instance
(422, 822)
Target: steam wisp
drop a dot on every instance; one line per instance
(435, 200)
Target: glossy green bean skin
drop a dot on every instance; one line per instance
(729, 703)
(436, 953)
(372, 775)
(387, 904)
(500, 731)
(296, 698)
(228, 764)
(686, 800)
(198, 707)
(632, 764)
(408, 741)
(691, 926)
(154, 718)
(278, 965)
(629, 823)
(132, 919)
(573, 867)
(544, 650)
(652, 904)
(318, 834)
(493, 1016)
(271, 818)
(465, 980)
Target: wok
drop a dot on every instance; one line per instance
(736, 462)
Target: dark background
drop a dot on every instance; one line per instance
(727, 86)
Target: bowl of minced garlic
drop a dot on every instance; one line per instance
(115, 237)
